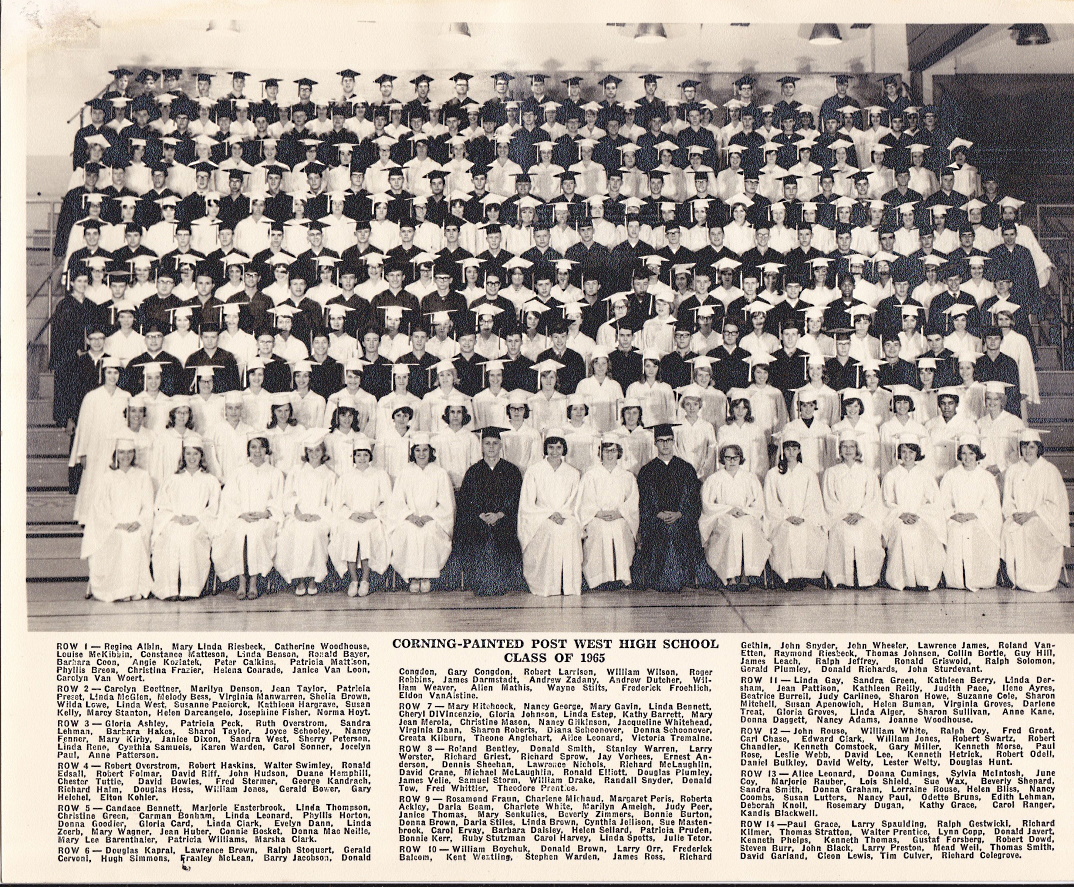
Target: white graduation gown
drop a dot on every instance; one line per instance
(286, 444)
(249, 488)
(522, 446)
(392, 451)
(302, 549)
(999, 440)
(100, 422)
(816, 441)
(229, 448)
(696, 444)
(733, 545)
(973, 547)
(915, 551)
(456, 451)
(421, 552)
(768, 406)
(751, 438)
(181, 552)
(797, 549)
(551, 553)
(1034, 551)
(583, 445)
(853, 489)
(608, 546)
(119, 559)
(603, 399)
(364, 491)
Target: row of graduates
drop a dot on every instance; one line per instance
(608, 126)
(868, 253)
(662, 352)
(754, 418)
(341, 195)
(554, 527)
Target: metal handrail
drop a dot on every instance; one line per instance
(50, 279)
(1051, 229)
(81, 112)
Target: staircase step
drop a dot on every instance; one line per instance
(1048, 357)
(46, 471)
(40, 386)
(50, 507)
(39, 411)
(1060, 436)
(55, 568)
(1053, 406)
(48, 441)
(53, 547)
(1056, 381)
(1064, 461)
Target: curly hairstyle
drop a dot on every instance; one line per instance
(466, 417)
(730, 449)
(264, 442)
(189, 417)
(549, 440)
(291, 420)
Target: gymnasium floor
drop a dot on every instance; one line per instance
(60, 606)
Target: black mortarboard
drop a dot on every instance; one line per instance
(305, 81)
(347, 72)
(663, 429)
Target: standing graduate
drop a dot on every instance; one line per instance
(794, 518)
(486, 520)
(855, 517)
(548, 527)
(608, 513)
(669, 556)
(116, 539)
(914, 529)
(422, 517)
(187, 507)
(360, 502)
(251, 511)
(1036, 509)
(970, 500)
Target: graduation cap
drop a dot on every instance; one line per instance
(385, 78)
(609, 79)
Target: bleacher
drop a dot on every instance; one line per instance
(53, 537)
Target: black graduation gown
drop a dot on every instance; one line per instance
(669, 557)
(490, 556)
(517, 374)
(788, 372)
(132, 378)
(69, 323)
(74, 380)
(326, 378)
(1003, 369)
(226, 374)
(625, 367)
(573, 368)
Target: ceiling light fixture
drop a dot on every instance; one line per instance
(825, 35)
(1030, 35)
(651, 33)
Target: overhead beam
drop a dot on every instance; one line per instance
(928, 44)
